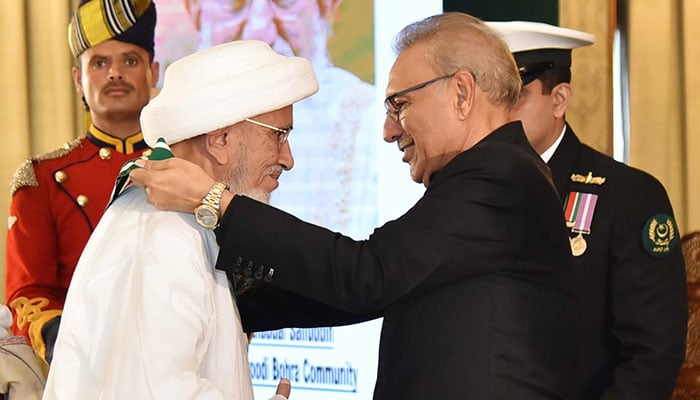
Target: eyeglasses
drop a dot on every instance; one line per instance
(393, 109)
(282, 133)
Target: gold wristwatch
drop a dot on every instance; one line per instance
(207, 213)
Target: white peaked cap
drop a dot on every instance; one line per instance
(221, 86)
(527, 35)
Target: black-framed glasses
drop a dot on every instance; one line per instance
(393, 109)
(282, 133)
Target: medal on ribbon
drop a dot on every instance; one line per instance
(578, 212)
(578, 245)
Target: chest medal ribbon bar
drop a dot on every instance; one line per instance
(578, 212)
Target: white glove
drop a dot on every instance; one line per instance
(22, 373)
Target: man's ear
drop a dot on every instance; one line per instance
(466, 90)
(76, 80)
(561, 97)
(217, 144)
(155, 72)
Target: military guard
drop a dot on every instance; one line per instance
(59, 197)
(622, 232)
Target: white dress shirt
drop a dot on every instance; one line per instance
(547, 154)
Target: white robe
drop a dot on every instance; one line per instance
(147, 316)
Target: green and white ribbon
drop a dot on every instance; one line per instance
(161, 151)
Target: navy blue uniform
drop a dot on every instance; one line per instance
(634, 287)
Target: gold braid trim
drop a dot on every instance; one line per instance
(35, 331)
(29, 311)
(24, 174)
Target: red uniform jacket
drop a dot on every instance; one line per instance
(57, 200)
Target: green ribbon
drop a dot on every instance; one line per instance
(160, 151)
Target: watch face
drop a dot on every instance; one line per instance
(206, 216)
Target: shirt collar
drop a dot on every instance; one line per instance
(547, 154)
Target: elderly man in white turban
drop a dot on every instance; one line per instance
(147, 316)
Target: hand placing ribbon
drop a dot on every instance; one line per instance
(161, 151)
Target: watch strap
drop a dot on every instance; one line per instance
(213, 196)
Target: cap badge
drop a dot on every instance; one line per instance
(659, 235)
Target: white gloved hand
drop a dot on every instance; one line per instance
(22, 373)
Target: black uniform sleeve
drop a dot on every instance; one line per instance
(649, 301)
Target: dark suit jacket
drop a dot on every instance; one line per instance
(475, 282)
(633, 340)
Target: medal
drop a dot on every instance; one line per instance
(578, 245)
(578, 214)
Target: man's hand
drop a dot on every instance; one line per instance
(283, 390)
(173, 184)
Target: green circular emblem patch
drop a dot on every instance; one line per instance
(660, 235)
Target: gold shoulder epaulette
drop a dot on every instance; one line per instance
(24, 174)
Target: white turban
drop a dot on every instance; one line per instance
(223, 85)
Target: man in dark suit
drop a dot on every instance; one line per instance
(476, 281)
(622, 232)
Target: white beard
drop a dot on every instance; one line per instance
(236, 177)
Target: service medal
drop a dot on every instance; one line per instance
(578, 245)
(578, 213)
